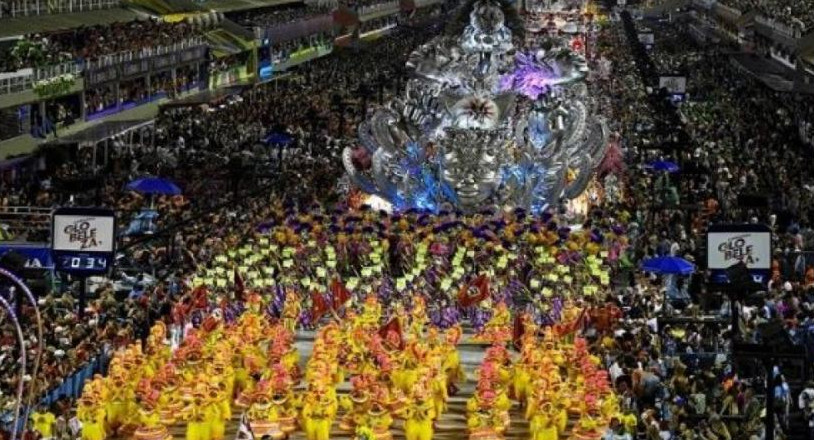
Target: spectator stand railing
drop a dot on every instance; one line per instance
(779, 28)
(23, 80)
(26, 221)
(424, 3)
(731, 13)
(377, 8)
(26, 8)
(127, 56)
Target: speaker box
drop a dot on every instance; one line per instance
(741, 281)
(13, 261)
(775, 335)
(758, 201)
(738, 274)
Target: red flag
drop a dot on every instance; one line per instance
(391, 333)
(200, 298)
(467, 297)
(577, 324)
(518, 330)
(340, 293)
(240, 287)
(210, 323)
(319, 306)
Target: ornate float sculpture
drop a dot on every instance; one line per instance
(482, 124)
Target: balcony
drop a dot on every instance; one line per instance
(426, 3)
(296, 29)
(773, 28)
(727, 13)
(107, 68)
(28, 8)
(144, 54)
(371, 12)
(24, 80)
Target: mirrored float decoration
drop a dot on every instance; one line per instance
(483, 123)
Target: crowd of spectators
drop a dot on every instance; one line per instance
(794, 14)
(278, 16)
(678, 377)
(93, 42)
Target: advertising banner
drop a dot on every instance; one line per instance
(728, 245)
(674, 84)
(37, 256)
(84, 240)
(83, 233)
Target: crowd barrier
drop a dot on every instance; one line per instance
(70, 388)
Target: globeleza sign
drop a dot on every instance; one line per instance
(731, 244)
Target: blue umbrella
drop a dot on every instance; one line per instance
(154, 185)
(663, 165)
(278, 139)
(668, 265)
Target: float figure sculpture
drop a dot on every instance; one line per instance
(482, 124)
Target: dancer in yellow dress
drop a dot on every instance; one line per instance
(150, 426)
(318, 412)
(215, 417)
(196, 417)
(419, 414)
(92, 415)
(378, 418)
(452, 360)
(543, 424)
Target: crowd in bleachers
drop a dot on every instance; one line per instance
(798, 15)
(93, 42)
(741, 140)
(282, 15)
(675, 379)
(282, 51)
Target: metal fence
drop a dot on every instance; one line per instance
(27, 221)
(27, 8)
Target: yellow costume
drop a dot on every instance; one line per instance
(418, 419)
(543, 426)
(150, 425)
(195, 415)
(318, 413)
(92, 417)
(43, 423)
